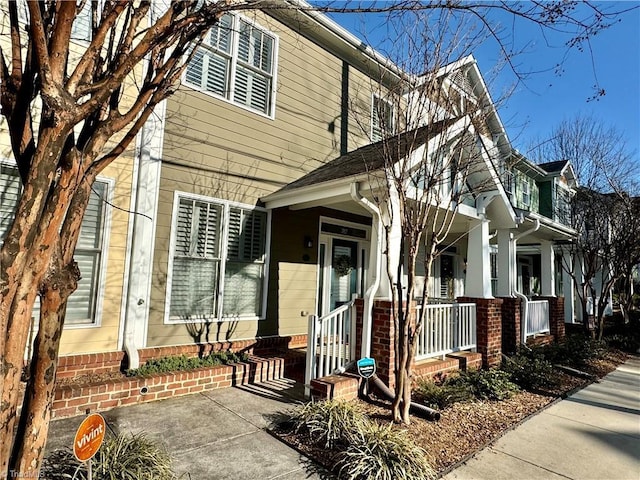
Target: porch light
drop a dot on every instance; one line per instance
(308, 241)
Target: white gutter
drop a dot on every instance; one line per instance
(347, 37)
(375, 262)
(520, 295)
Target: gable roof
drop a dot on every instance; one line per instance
(554, 167)
(372, 157)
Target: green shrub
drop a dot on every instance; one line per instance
(575, 350)
(183, 362)
(384, 453)
(329, 423)
(487, 384)
(132, 457)
(123, 457)
(624, 342)
(442, 395)
(530, 370)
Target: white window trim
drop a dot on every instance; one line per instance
(233, 64)
(106, 236)
(379, 98)
(226, 204)
(526, 192)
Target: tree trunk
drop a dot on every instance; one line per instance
(33, 426)
(19, 320)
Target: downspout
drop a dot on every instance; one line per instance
(520, 295)
(375, 262)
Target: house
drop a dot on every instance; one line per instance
(254, 217)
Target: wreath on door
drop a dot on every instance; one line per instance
(342, 265)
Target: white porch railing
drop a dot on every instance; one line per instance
(447, 328)
(330, 341)
(537, 317)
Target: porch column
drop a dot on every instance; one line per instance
(478, 282)
(547, 259)
(577, 274)
(568, 288)
(506, 263)
(390, 216)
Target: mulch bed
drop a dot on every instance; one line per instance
(464, 428)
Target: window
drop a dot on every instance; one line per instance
(81, 29)
(218, 260)
(236, 61)
(381, 119)
(89, 253)
(507, 182)
(526, 193)
(563, 206)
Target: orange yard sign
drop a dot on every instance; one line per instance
(89, 437)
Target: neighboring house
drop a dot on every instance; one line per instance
(540, 195)
(253, 203)
(93, 322)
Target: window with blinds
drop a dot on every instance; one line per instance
(81, 306)
(218, 261)
(236, 62)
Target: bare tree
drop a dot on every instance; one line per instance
(602, 210)
(70, 113)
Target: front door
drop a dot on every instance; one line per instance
(344, 272)
(342, 264)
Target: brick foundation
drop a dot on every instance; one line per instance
(345, 386)
(105, 362)
(71, 400)
(489, 329)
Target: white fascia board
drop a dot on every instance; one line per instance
(309, 194)
(552, 225)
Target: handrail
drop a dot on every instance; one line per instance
(330, 342)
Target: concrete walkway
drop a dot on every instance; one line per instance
(594, 434)
(214, 435)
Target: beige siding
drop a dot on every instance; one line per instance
(220, 150)
(297, 296)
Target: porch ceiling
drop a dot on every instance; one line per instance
(549, 231)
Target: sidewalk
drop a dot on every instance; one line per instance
(594, 434)
(215, 435)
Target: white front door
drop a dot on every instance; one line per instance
(341, 264)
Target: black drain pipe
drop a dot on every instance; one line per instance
(420, 410)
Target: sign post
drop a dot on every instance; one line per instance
(89, 438)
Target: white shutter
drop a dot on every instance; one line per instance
(194, 281)
(81, 29)
(88, 255)
(242, 289)
(10, 188)
(244, 270)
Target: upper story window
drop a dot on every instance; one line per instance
(382, 124)
(526, 193)
(82, 305)
(507, 182)
(236, 61)
(218, 260)
(562, 208)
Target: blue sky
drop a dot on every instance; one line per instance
(547, 98)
